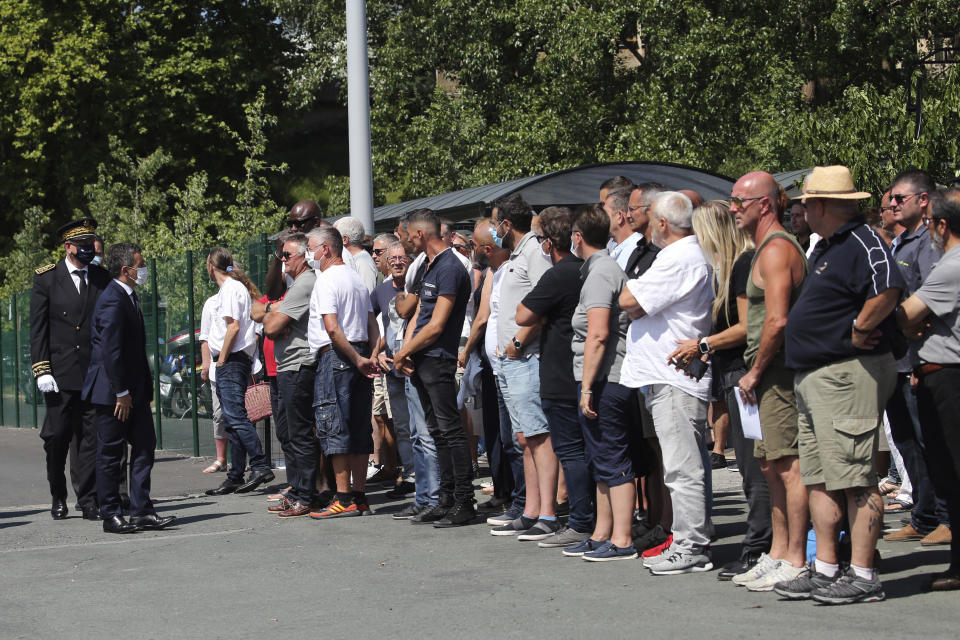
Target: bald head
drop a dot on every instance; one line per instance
(695, 198)
(483, 232)
(755, 200)
(304, 216)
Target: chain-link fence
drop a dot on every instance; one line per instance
(172, 303)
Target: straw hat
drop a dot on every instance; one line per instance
(831, 182)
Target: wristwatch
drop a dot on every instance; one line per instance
(517, 345)
(703, 347)
(267, 308)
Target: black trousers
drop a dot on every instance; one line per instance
(939, 405)
(113, 436)
(499, 469)
(300, 452)
(69, 417)
(759, 527)
(435, 382)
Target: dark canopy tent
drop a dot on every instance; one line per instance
(567, 187)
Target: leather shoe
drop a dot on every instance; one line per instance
(940, 535)
(946, 581)
(228, 486)
(256, 479)
(151, 521)
(91, 512)
(905, 534)
(116, 524)
(736, 567)
(295, 510)
(59, 509)
(493, 504)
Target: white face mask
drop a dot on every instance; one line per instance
(143, 276)
(283, 267)
(312, 260)
(545, 254)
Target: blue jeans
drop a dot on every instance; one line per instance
(425, 463)
(342, 405)
(232, 381)
(567, 438)
(396, 390)
(511, 452)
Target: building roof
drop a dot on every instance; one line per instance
(579, 185)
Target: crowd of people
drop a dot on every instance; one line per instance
(606, 355)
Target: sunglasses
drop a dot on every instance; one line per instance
(299, 224)
(459, 246)
(900, 198)
(284, 255)
(738, 201)
(396, 260)
(377, 252)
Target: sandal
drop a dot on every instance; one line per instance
(897, 506)
(216, 466)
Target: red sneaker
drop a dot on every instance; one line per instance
(336, 510)
(653, 552)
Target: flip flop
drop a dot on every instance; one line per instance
(897, 506)
(216, 466)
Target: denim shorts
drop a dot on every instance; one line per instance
(606, 438)
(520, 387)
(342, 405)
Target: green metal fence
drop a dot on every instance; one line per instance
(172, 305)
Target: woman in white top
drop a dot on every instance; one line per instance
(234, 369)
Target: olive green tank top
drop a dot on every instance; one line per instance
(756, 307)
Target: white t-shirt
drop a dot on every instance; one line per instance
(676, 294)
(339, 290)
(490, 333)
(212, 328)
(234, 301)
(364, 265)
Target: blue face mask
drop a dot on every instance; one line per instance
(85, 254)
(97, 260)
(497, 240)
(573, 248)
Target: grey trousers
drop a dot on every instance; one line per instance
(680, 421)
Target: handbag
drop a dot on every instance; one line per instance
(257, 400)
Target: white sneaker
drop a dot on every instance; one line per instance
(681, 562)
(652, 560)
(764, 564)
(785, 572)
(372, 469)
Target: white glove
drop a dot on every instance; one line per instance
(47, 384)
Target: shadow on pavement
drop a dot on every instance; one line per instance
(7, 525)
(209, 516)
(20, 514)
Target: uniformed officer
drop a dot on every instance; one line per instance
(64, 295)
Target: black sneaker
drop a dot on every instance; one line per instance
(563, 509)
(650, 539)
(541, 530)
(717, 460)
(429, 515)
(407, 512)
(461, 514)
(401, 490)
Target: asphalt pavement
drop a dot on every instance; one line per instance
(228, 569)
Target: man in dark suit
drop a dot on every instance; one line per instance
(61, 304)
(119, 385)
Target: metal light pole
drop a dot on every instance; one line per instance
(358, 110)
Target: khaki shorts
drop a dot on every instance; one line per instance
(381, 399)
(778, 414)
(841, 411)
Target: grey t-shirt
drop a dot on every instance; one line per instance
(293, 351)
(603, 280)
(941, 293)
(527, 263)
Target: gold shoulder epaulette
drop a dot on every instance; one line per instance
(44, 268)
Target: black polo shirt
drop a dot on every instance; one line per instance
(444, 276)
(846, 270)
(555, 297)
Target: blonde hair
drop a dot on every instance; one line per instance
(722, 243)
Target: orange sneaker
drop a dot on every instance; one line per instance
(336, 510)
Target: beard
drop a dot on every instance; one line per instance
(936, 241)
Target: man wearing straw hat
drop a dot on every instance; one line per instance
(840, 339)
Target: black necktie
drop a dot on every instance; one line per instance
(80, 273)
(136, 303)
